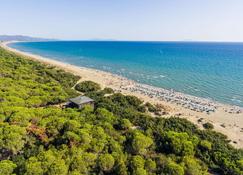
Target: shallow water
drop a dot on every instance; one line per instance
(209, 70)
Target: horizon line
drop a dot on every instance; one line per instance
(115, 40)
(122, 40)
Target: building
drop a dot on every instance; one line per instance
(80, 102)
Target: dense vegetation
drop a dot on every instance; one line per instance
(116, 137)
(87, 86)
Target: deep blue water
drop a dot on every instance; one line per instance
(210, 70)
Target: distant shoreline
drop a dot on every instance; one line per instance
(179, 104)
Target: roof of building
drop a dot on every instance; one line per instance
(81, 100)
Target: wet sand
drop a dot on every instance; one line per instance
(225, 118)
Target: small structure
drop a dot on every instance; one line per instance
(80, 102)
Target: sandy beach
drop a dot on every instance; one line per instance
(225, 118)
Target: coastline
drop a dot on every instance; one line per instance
(225, 118)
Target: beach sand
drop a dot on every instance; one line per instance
(230, 124)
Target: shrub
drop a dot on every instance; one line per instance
(208, 125)
(108, 90)
(87, 86)
(151, 108)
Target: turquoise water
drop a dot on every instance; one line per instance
(209, 70)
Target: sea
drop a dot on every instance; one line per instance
(211, 70)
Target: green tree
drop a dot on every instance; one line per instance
(194, 166)
(7, 167)
(139, 171)
(180, 143)
(47, 162)
(104, 115)
(33, 167)
(12, 137)
(125, 124)
(79, 165)
(206, 145)
(106, 162)
(240, 164)
(121, 168)
(173, 168)
(150, 165)
(140, 142)
(137, 162)
(137, 165)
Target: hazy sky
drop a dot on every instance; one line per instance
(205, 20)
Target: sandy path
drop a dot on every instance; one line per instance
(224, 122)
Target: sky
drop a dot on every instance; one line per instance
(147, 20)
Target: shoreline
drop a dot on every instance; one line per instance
(226, 119)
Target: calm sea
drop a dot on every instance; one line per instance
(209, 70)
